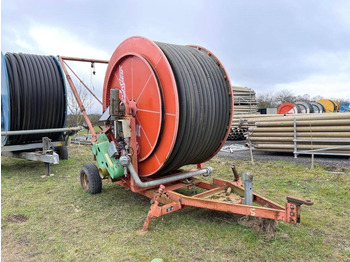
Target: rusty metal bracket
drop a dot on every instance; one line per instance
(298, 201)
(154, 210)
(293, 208)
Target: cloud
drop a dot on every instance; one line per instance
(264, 45)
(52, 40)
(329, 86)
(48, 40)
(330, 77)
(55, 40)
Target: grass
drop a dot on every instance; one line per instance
(85, 132)
(66, 224)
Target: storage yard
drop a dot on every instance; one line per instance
(125, 138)
(313, 134)
(162, 171)
(51, 207)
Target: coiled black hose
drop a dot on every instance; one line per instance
(204, 102)
(37, 96)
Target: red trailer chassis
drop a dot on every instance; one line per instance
(220, 195)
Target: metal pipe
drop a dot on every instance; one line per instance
(77, 97)
(318, 140)
(167, 179)
(235, 172)
(40, 131)
(81, 81)
(304, 129)
(268, 118)
(258, 134)
(338, 153)
(298, 134)
(84, 59)
(248, 189)
(295, 136)
(300, 146)
(310, 122)
(333, 152)
(268, 138)
(345, 147)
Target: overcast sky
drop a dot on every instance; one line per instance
(303, 46)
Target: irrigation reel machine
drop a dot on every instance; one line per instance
(167, 106)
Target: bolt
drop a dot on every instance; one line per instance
(292, 214)
(291, 207)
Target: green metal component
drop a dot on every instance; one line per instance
(105, 162)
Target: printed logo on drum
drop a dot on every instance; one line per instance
(121, 82)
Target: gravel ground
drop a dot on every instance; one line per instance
(333, 162)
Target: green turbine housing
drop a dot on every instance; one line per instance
(105, 162)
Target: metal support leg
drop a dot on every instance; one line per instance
(295, 137)
(47, 169)
(46, 145)
(251, 153)
(153, 210)
(248, 189)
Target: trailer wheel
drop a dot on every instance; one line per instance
(90, 179)
(62, 152)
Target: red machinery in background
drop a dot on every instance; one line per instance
(167, 106)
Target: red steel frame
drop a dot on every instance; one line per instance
(166, 200)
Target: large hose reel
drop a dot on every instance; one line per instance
(34, 97)
(183, 100)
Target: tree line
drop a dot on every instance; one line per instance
(268, 100)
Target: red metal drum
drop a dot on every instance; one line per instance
(142, 72)
(287, 108)
(135, 71)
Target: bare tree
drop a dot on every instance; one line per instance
(303, 98)
(284, 96)
(316, 98)
(75, 116)
(265, 100)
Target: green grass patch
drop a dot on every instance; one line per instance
(85, 132)
(66, 224)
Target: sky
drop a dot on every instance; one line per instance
(269, 45)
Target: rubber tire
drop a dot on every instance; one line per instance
(62, 151)
(90, 173)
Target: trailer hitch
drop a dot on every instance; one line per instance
(293, 207)
(299, 202)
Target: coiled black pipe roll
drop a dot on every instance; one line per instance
(205, 105)
(37, 96)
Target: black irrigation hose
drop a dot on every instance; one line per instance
(37, 96)
(204, 105)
